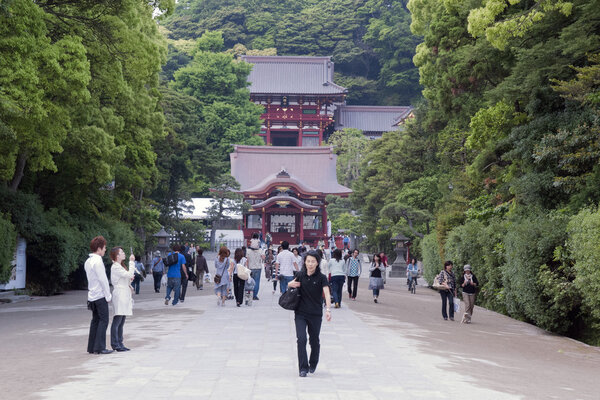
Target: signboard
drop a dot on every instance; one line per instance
(18, 267)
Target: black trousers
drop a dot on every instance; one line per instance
(97, 337)
(238, 289)
(157, 277)
(447, 297)
(313, 325)
(184, 284)
(352, 286)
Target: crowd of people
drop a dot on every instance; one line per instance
(318, 276)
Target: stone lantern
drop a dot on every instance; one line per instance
(399, 265)
(163, 240)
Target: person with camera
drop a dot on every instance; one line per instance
(121, 277)
(469, 283)
(313, 286)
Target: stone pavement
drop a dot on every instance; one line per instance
(397, 349)
(250, 353)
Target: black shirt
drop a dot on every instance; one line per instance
(468, 288)
(311, 293)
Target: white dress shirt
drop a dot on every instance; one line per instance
(97, 280)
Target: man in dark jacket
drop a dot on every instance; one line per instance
(201, 268)
(189, 271)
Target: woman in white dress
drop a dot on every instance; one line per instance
(120, 277)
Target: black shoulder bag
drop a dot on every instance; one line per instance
(290, 299)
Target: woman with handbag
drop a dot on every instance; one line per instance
(223, 269)
(238, 282)
(121, 276)
(448, 289)
(376, 272)
(313, 285)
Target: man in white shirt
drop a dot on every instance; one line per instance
(98, 296)
(285, 265)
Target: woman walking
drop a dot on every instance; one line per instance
(238, 283)
(354, 269)
(121, 276)
(446, 278)
(338, 276)
(297, 256)
(223, 268)
(313, 286)
(376, 271)
(469, 284)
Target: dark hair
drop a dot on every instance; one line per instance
(200, 251)
(138, 258)
(175, 247)
(255, 235)
(97, 243)
(303, 272)
(295, 248)
(378, 256)
(337, 254)
(244, 250)
(448, 263)
(320, 253)
(285, 245)
(355, 250)
(238, 255)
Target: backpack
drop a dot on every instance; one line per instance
(171, 259)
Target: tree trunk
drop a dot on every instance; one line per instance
(19, 172)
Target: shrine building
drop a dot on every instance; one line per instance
(285, 189)
(285, 182)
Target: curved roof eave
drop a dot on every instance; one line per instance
(291, 199)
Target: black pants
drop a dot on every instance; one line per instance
(447, 298)
(97, 337)
(313, 323)
(352, 286)
(184, 283)
(157, 277)
(116, 331)
(238, 289)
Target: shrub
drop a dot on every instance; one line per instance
(480, 245)
(584, 245)
(530, 246)
(432, 263)
(8, 241)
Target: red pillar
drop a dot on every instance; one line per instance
(302, 224)
(264, 223)
(324, 221)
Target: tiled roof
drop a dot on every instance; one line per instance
(311, 168)
(292, 75)
(371, 118)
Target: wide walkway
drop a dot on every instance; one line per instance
(197, 350)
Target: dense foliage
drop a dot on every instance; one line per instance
(500, 166)
(369, 40)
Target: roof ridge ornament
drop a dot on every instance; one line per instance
(283, 173)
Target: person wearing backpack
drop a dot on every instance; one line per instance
(174, 274)
(447, 284)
